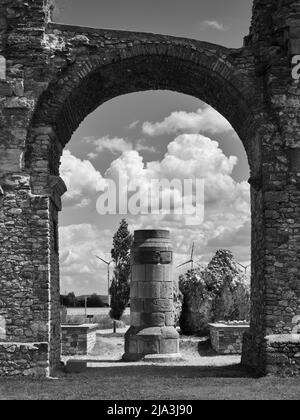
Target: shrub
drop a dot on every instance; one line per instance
(218, 292)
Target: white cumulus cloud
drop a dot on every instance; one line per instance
(81, 178)
(203, 120)
(190, 156)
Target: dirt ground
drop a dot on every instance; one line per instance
(195, 351)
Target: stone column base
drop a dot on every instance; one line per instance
(163, 358)
(159, 343)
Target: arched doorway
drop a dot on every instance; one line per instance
(56, 75)
(204, 75)
(189, 140)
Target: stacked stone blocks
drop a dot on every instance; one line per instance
(227, 338)
(151, 296)
(26, 359)
(152, 329)
(78, 339)
(283, 354)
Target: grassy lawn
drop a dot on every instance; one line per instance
(153, 382)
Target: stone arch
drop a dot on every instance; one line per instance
(205, 72)
(50, 69)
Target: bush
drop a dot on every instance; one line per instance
(218, 292)
(178, 301)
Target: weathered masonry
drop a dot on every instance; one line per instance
(52, 76)
(151, 333)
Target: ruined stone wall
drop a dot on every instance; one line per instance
(24, 264)
(56, 75)
(252, 343)
(24, 217)
(55, 337)
(227, 338)
(27, 359)
(283, 355)
(274, 39)
(78, 339)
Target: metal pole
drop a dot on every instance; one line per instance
(108, 280)
(109, 298)
(85, 306)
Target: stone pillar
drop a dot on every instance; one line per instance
(152, 334)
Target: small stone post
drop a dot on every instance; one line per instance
(152, 334)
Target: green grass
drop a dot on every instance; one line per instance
(154, 382)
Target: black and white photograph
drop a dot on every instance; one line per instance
(149, 203)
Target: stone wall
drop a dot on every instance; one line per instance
(227, 338)
(280, 354)
(78, 339)
(57, 74)
(274, 37)
(283, 354)
(25, 359)
(24, 217)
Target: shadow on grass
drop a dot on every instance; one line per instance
(205, 349)
(178, 371)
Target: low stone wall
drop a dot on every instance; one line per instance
(78, 339)
(283, 354)
(227, 338)
(24, 359)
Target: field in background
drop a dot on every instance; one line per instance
(92, 311)
(96, 316)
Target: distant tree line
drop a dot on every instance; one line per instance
(71, 301)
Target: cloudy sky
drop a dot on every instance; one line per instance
(154, 135)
